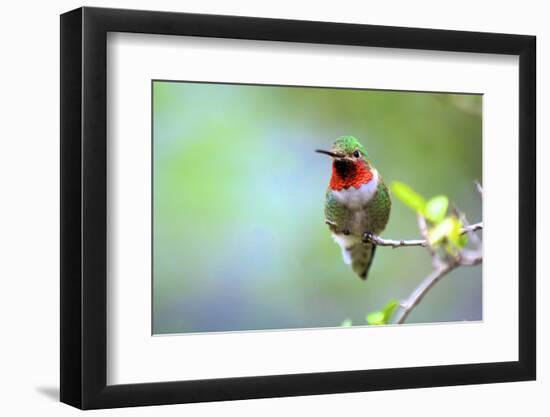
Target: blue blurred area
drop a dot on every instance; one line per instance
(239, 238)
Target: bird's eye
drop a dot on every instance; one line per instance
(356, 154)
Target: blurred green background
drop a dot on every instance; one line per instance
(239, 241)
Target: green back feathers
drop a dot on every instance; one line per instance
(348, 144)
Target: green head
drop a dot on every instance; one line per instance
(346, 147)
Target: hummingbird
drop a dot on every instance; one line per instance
(357, 203)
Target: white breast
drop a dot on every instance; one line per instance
(356, 198)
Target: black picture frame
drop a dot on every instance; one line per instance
(84, 207)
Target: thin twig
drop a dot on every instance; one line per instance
(472, 228)
(479, 188)
(378, 241)
(471, 257)
(465, 258)
(476, 241)
(423, 227)
(420, 291)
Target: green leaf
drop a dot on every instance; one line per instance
(456, 237)
(462, 241)
(441, 231)
(376, 318)
(408, 196)
(449, 230)
(383, 316)
(436, 208)
(389, 309)
(346, 323)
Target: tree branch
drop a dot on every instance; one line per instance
(472, 228)
(443, 262)
(378, 241)
(466, 258)
(420, 291)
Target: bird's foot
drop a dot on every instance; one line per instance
(370, 237)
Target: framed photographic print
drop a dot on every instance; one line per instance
(258, 207)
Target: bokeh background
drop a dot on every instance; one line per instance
(239, 241)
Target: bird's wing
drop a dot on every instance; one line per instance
(336, 214)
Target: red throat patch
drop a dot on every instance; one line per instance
(352, 174)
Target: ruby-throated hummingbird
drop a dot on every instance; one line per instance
(357, 202)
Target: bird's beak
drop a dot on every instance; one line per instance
(329, 153)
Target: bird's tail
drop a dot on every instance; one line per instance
(361, 256)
